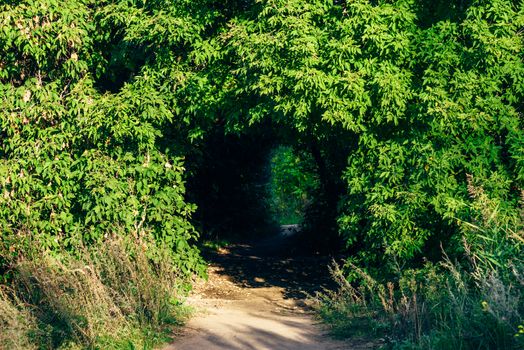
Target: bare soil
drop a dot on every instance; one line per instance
(256, 298)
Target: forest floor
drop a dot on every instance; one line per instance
(257, 298)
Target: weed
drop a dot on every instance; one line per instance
(110, 296)
(475, 303)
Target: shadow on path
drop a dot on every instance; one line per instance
(255, 298)
(273, 262)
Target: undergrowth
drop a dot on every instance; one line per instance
(110, 296)
(473, 301)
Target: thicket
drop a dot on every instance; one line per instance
(79, 163)
(405, 106)
(292, 185)
(84, 156)
(472, 301)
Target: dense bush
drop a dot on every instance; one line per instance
(292, 184)
(398, 103)
(83, 156)
(473, 304)
(412, 95)
(77, 163)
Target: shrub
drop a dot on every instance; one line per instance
(473, 303)
(77, 162)
(442, 310)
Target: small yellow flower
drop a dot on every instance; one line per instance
(485, 305)
(520, 331)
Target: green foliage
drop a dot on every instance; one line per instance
(411, 111)
(424, 100)
(78, 163)
(463, 120)
(291, 184)
(401, 99)
(475, 304)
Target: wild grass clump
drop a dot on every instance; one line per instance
(471, 303)
(17, 324)
(110, 296)
(437, 307)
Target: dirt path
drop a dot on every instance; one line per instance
(255, 299)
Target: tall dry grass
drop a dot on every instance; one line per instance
(476, 303)
(110, 296)
(16, 322)
(438, 307)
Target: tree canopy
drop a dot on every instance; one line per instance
(404, 105)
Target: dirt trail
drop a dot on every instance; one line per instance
(255, 299)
